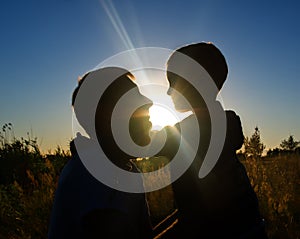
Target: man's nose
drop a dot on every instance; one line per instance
(170, 91)
(147, 106)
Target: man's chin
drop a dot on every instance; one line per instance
(182, 109)
(146, 141)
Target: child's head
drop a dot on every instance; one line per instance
(209, 57)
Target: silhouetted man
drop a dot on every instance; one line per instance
(85, 207)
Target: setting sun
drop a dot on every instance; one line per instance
(161, 116)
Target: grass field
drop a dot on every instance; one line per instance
(28, 181)
(276, 181)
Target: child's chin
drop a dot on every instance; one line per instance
(145, 141)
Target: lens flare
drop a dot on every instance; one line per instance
(161, 116)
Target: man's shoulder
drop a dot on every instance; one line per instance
(231, 113)
(232, 118)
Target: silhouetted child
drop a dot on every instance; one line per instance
(223, 204)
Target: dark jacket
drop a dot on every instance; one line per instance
(223, 204)
(86, 208)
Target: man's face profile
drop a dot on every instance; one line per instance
(140, 125)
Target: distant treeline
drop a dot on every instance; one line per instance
(254, 147)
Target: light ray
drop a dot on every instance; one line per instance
(117, 23)
(121, 31)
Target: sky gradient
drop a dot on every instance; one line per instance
(46, 45)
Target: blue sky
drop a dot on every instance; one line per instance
(45, 45)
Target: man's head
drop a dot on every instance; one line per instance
(210, 58)
(121, 84)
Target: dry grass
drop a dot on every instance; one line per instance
(276, 182)
(29, 179)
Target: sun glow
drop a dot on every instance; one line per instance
(161, 116)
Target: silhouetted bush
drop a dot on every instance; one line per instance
(28, 181)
